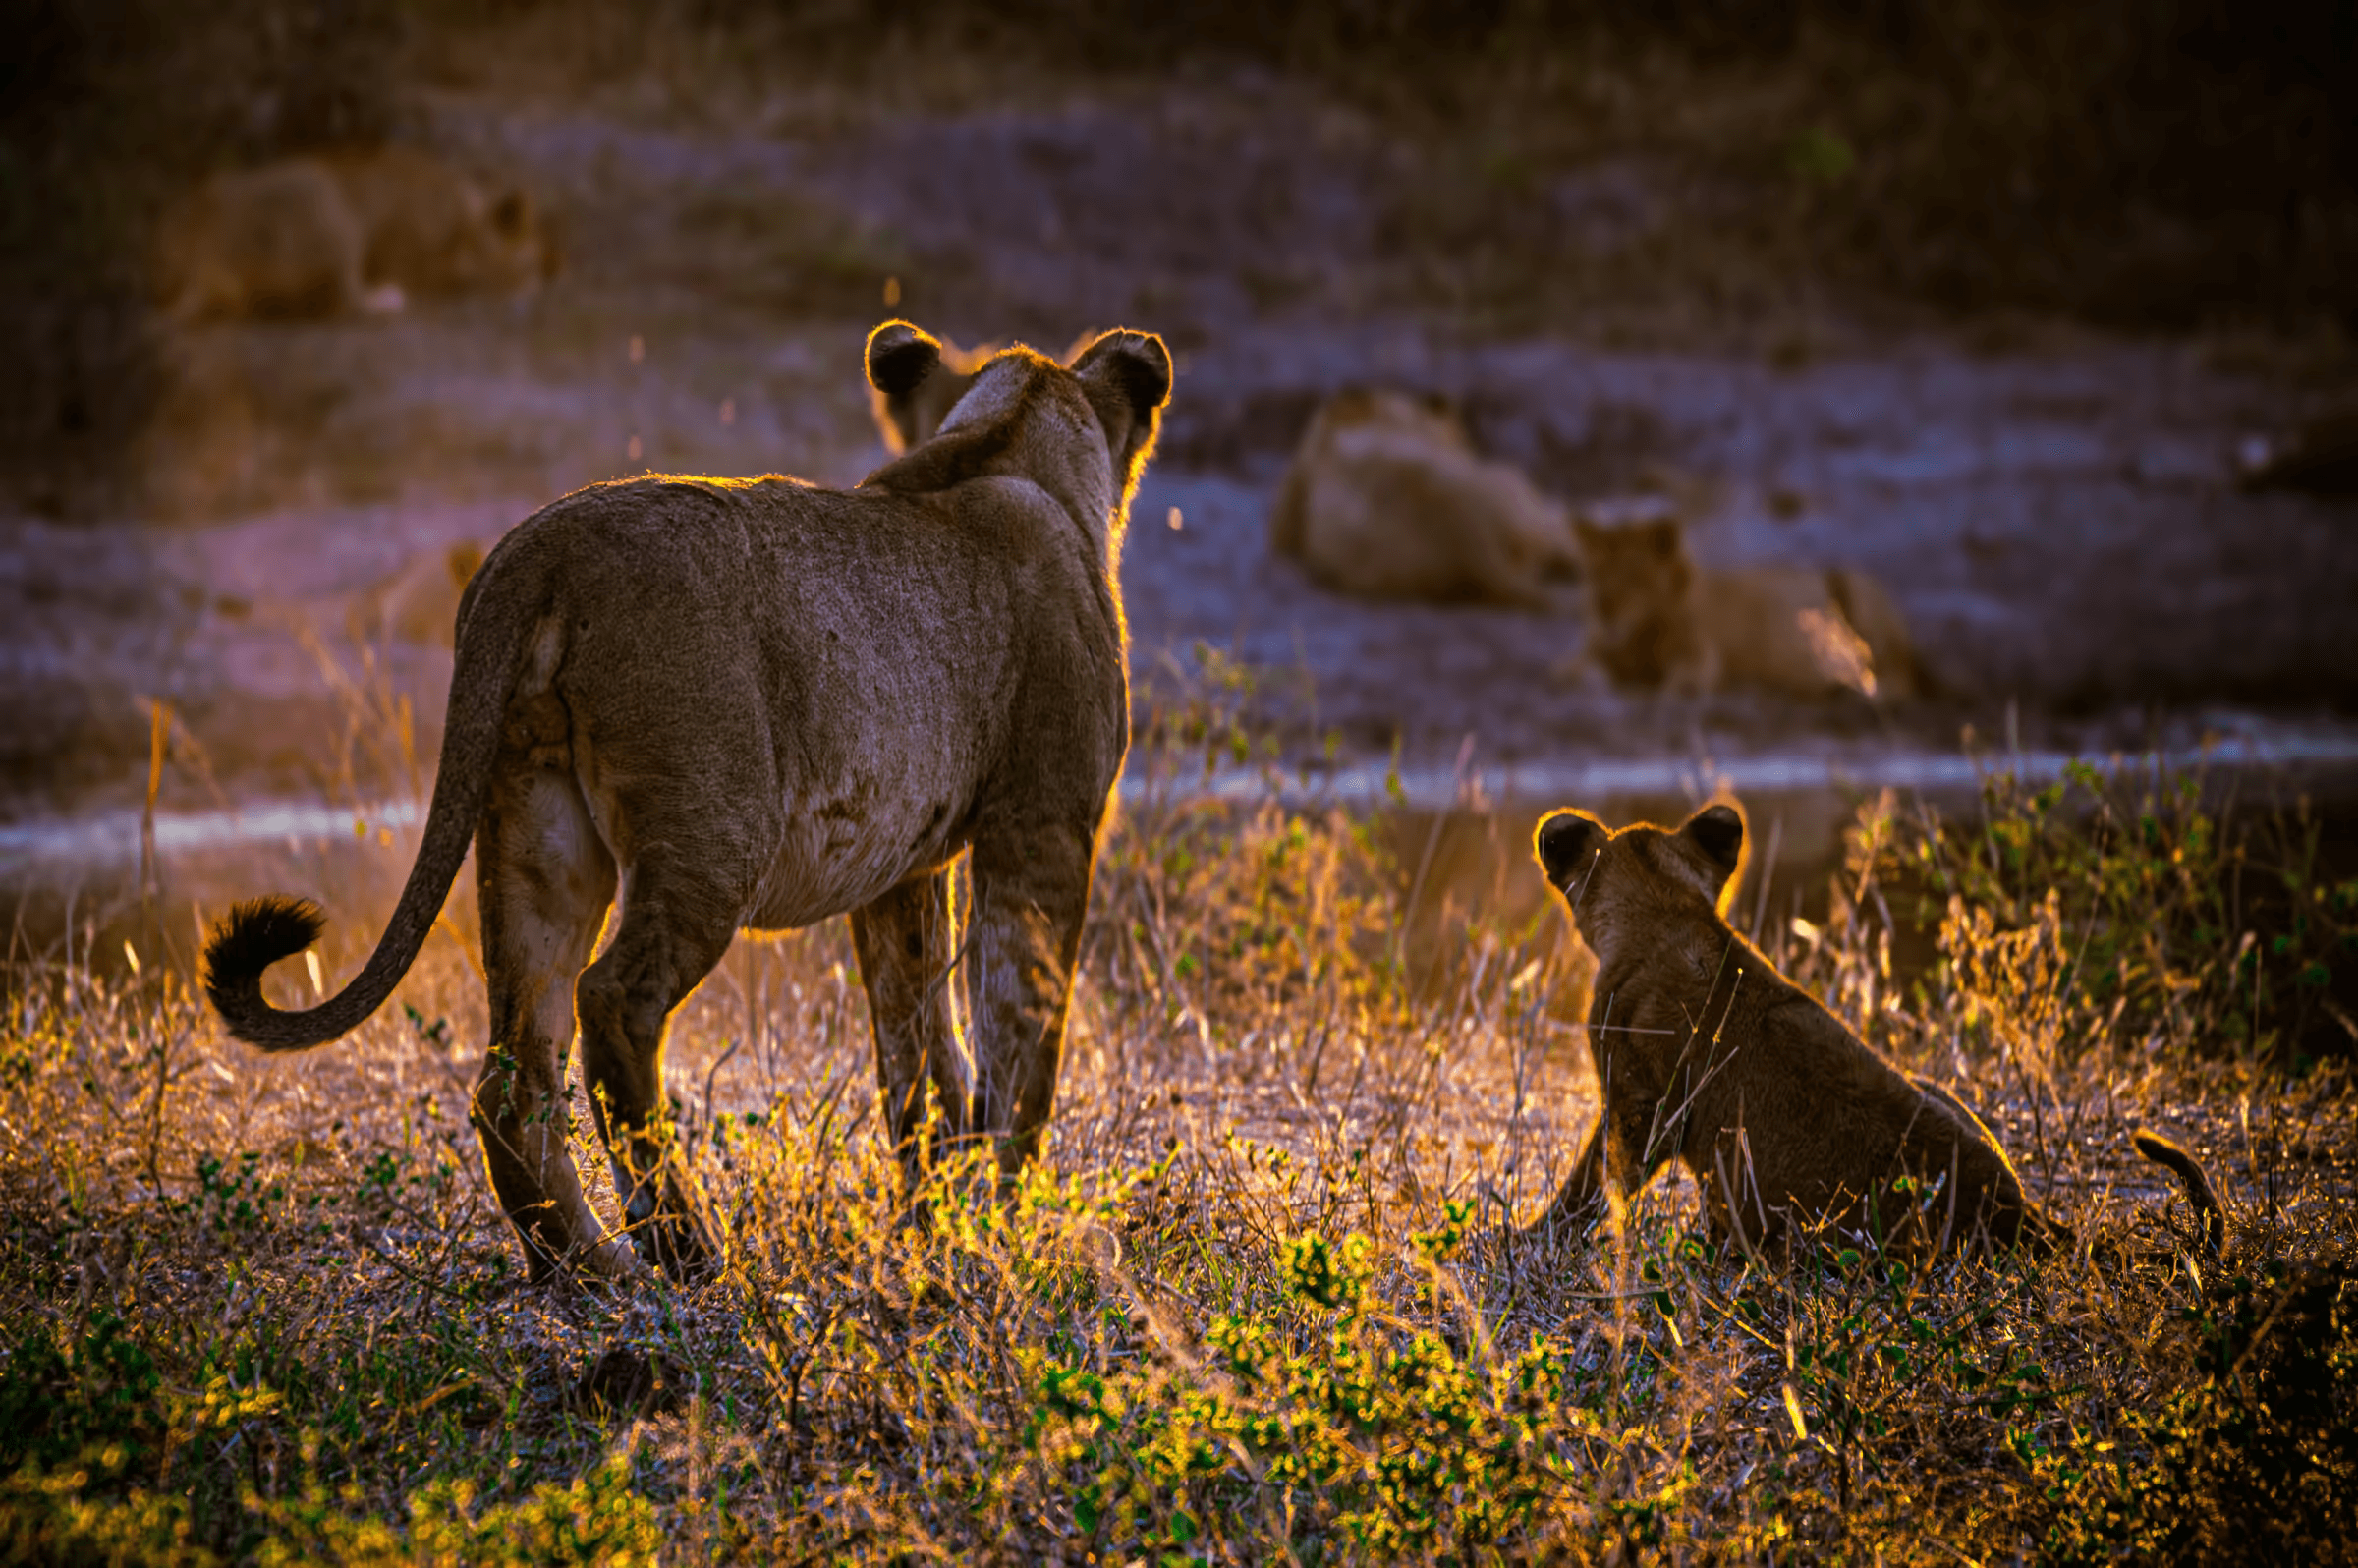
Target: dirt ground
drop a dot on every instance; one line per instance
(2053, 509)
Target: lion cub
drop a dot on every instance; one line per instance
(1706, 1054)
(344, 234)
(1657, 622)
(1386, 498)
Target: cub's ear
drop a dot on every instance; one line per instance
(1127, 378)
(1565, 842)
(1719, 833)
(899, 357)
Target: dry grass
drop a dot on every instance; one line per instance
(1255, 1306)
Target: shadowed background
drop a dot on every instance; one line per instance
(1980, 298)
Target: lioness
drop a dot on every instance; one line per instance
(1706, 1054)
(344, 234)
(1386, 498)
(755, 703)
(1657, 623)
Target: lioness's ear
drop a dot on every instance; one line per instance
(899, 357)
(1127, 377)
(1718, 831)
(900, 360)
(1565, 842)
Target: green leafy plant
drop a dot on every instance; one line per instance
(2133, 910)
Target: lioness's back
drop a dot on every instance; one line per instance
(866, 627)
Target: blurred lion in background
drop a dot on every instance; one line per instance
(1658, 622)
(355, 233)
(1388, 499)
(418, 603)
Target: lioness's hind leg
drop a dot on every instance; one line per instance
(908, 945)
(545, 882)
(1031, 894)
(675, 926)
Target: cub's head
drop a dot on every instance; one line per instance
(507, 249)
(1072, 429)
(1639, 579)
(1638, 883)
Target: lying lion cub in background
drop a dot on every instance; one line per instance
(1388, 499)
(756, 703)
(1656, 622)
(344, 234)
(1706, 1054)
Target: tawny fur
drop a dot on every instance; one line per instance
(1658, 622)
(344, 234)
(724, 703)
(1707, 1055)
(905, 422)
(419, 602)
(1386, 498)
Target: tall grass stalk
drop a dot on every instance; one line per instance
(1256, 1304)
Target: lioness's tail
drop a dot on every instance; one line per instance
(2162, 1152)
(494, 619)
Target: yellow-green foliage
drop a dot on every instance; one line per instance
(2135, 913)
(1256, 1305)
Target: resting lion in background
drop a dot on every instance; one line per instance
(344, 234)
(732, 703)
(1657, 623)
(419, 602)
(1707, 1055)
(1386, 498)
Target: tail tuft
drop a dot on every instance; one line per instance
(2162, 1152)
(257, 934)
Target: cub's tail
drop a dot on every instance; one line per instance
(2162, 1152)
